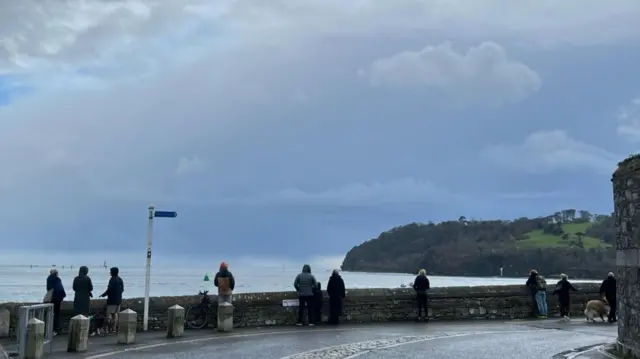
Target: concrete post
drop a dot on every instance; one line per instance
(626, 200)
(225, 317)
(5, 322)
(175, 322)
(127, 326)
(35, 339)
(78, 334)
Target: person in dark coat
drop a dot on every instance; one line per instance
(82, 288)
(608, 291)
(563, 290)
(421, 285)
(54, 284)
(318, 302)
(114, 291)
(533, 289)
(336, 292)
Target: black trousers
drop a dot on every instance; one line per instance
(56, 315)
(317, 307)
(565, 308)
(335, 309)
(613, 304)
(422, 304)
(308, 302)
(534, 305)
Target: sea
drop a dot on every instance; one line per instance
(27, 283)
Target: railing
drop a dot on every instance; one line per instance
(42, 312)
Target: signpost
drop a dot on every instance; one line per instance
(147, 280)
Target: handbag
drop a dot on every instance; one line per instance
(47, 297)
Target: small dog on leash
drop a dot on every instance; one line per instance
(597, 308)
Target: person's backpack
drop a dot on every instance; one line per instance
(541, 283)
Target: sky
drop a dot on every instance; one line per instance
(297, 129)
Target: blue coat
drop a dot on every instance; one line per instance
(54, 282)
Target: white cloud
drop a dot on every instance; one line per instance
(483, 72)
(629, 121)
(406, 190)
(54, 33)
(549, 151)
(189, 165)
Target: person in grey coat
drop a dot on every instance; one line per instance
(82, 286)
(305, 284)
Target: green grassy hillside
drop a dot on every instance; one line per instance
(538, 239)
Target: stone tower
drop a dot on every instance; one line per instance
(626, 200)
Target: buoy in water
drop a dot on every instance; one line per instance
(206, 277)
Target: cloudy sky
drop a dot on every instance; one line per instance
(299, 128)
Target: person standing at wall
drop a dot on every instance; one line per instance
(55, 295)
(226, 284)
(336, 292)
(563, 290)
(537, 284)
(82, 288)
(304, 284)
(114, 291)
(608, 292)
(318, 301)
(531, 285)
(421, 285)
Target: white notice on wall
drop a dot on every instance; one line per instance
(290, 303)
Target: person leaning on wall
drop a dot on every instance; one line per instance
(421, 285)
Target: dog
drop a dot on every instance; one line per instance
(597, 308)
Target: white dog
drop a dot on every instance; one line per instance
(597, 308)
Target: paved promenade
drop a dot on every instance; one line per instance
(481, 340)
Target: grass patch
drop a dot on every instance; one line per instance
(538, 239)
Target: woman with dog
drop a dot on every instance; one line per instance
(608, 292)
(83, 288)
(563, 290)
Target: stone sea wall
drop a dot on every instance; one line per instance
(360, 306)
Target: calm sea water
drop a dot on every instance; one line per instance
(25, 283)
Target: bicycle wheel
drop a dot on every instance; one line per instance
(197, 316)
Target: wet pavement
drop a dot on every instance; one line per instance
(477, 339)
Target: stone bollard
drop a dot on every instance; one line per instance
(5, 323)
(175, 322)
(225, 317)
(78, 334)
(35, 339)
(127, 326)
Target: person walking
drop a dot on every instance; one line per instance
(421, 285)
(304, 284)
(608, 292)
(336, 292)
(55, 295)
(82, 288)
(225, 283)
(563, 290)
(114, 291)
(538, 284)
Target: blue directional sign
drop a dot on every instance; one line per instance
(165, 214)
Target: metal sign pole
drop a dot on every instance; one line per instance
(147, 279)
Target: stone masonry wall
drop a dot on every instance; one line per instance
(626, 198)
(360, 306)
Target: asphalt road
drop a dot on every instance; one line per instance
(481, 340)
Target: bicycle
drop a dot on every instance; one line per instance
(198, 315)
